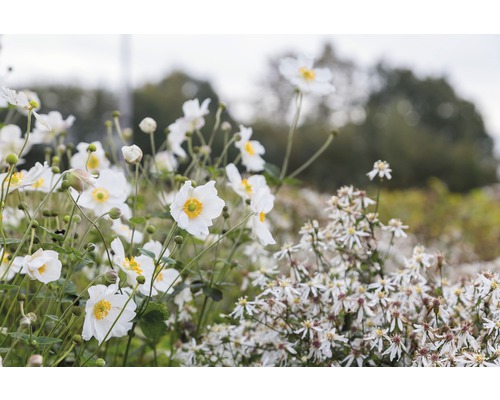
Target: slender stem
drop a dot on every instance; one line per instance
(293, 127)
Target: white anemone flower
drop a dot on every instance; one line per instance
(22, 179)
(45, 182)
(7, 273)
(25, 101)
(194, 113)
(134, 267)
(124, 231)
(163, 163)
(177, 136)
(261, 204)
(11, 141)
(110, 190)
(194, 209)
(58, 126)
(251, 150)
(380, 168)
(245, 188)
(132, 154)
(103, 308)
(97, 160)
(166, 277)
(43, 265)
(301, 73)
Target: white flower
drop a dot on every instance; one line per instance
(11, 141)
(380, 168)
(80, 180)
(245, 188)
(102, 310)
(194, 113)
(352, 236)
(242, 306)
(396, 348)
(8, 273)
(25, 101)
(58, 126)
(396, 227)
(134, 267)
(96, 161)
(261, 204)
(43, 265)
(166, 278)
(45, 182)
(300, 72)
(195, 208)
(19, 180)
(148, 125)
(177, 136)
(110, 190)
(125, 231)
(164, 162)
(251, 150)
(132, 154)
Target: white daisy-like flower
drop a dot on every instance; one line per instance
(8, 273)
(134, 267)
(124, 231)
(301, 73)
(164, 162)
(194, 113)
(261, 204)
(380, 168)
(396, 227)
(45, 182)
(177, 136)
(22, 179)
(43, 265)
(11, 141)
(245, 188)
(97, 160)
(251, 150)
(58, 126)
(110, 190)
(166, 277)
(25, 101)
(194, 209)
(102, 310)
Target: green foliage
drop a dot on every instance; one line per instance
(153, 320)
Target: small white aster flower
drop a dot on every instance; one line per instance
(380, 168)
(102, 310)
(251, 150)
(194, 209)
(301, 73)
(396, 227)
(43, 265)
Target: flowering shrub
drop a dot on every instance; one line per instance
(110, 256)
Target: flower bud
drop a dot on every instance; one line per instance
(226, 126)
(116, 114)
(32, 316)
(21, 297)
(178, 239)
(77, 219)
(151, 229)
(36, 360)
(140, 279)
(80, 180)
(115, 213)
(22, 206)
(92, 147)
(24, 323)
(12, 159)
(148, 125)
(127, 133)
(100, 362)
(34, 224)
(55, 170)
(132, 154)
(77, 339)
(111, 276)
(65, 185)
(66, 218)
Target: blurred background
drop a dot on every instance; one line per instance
(428, 104)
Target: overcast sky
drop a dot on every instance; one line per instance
(234, 63)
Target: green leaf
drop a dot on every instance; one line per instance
(147, 253)
(152, 321)
(168, 261)
(5, 286)
(137, 220)
(46, 341)
(10, 241)
(214, 293)
(272, 170)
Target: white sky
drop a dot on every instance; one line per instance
(234, 63)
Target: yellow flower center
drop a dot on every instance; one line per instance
(5, 258)
(307, 74)
(243, 302)
(193, 207)
(249, 148)
(100, 195)
(494, 285)
(247, 186)
(159, 277)
(130, 263)
(351, 231)
(479, 358)
(16, 179)
(42, 269)
(262, 217)
(38, 183)
(101, 309)
(93, 162)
